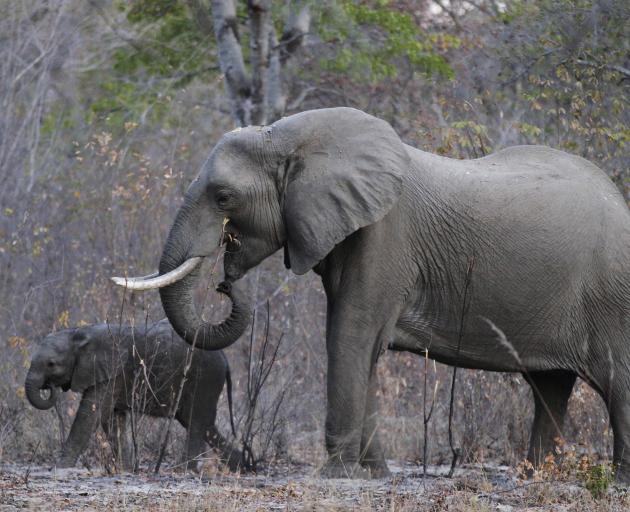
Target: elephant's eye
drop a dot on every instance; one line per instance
(223, 198)
(51, 364)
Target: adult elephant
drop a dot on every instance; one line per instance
(518, 261)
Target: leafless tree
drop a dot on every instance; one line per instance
(257, 97)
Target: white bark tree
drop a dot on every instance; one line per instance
(258, 95)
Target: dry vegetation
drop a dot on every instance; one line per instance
(94, 157)
(475, 488)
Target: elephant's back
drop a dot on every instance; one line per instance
(537, 209)
(522, 179)
(527, 162)
(543, 162)
(166, 350)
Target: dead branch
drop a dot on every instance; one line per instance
(426, 415)
(464, 311)
(256, 423)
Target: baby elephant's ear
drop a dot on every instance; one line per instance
(96, 354)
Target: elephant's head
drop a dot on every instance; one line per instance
(70, 359)
(304, 183)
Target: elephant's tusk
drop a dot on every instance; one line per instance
(142, 278)
(160, 281)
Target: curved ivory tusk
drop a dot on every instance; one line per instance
(150, 283)
(142, 278)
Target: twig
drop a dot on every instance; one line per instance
(62, 426)
(426, 416)
(134, 425)
(171, 416)
(257, 376)
(301, 97)
(503, 341)
(464, 311)
(27, 473)
(613, 67)
(189, 356)
(527, 67)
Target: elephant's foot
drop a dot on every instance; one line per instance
(377, 468)
(334, 468)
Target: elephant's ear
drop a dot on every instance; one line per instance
(96, 353)
(343, 172)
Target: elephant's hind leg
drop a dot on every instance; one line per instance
(618, 401)
(615, 390)
(551, 390)
(620, 422)
(609, 375)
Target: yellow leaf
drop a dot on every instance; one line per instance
(63, 319)
(16, 341)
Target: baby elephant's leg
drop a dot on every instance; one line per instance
(195, 446)
(229, 454)
(115, 428)
(83, 427)
(195, 451)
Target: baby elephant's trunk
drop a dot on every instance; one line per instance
(33, 387)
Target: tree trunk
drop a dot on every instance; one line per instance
(260, 98)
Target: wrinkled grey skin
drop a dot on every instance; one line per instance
(110, 368)
(392, 230)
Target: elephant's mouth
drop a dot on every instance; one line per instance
(61, 379)
(47, 391)
(232, 243)
(233, 259)
(64, 384)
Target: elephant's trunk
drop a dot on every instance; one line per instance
(33, 387)
(177, 298)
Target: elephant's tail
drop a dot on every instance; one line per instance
(228, 380)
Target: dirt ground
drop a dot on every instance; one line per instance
(474, 488)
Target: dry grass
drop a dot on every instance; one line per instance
(474, 488)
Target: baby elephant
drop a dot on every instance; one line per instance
(120, 368)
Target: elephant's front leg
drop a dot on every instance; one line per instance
(349, 367)
(85, 423)
(372, 456)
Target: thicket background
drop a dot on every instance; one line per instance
(108, 109)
